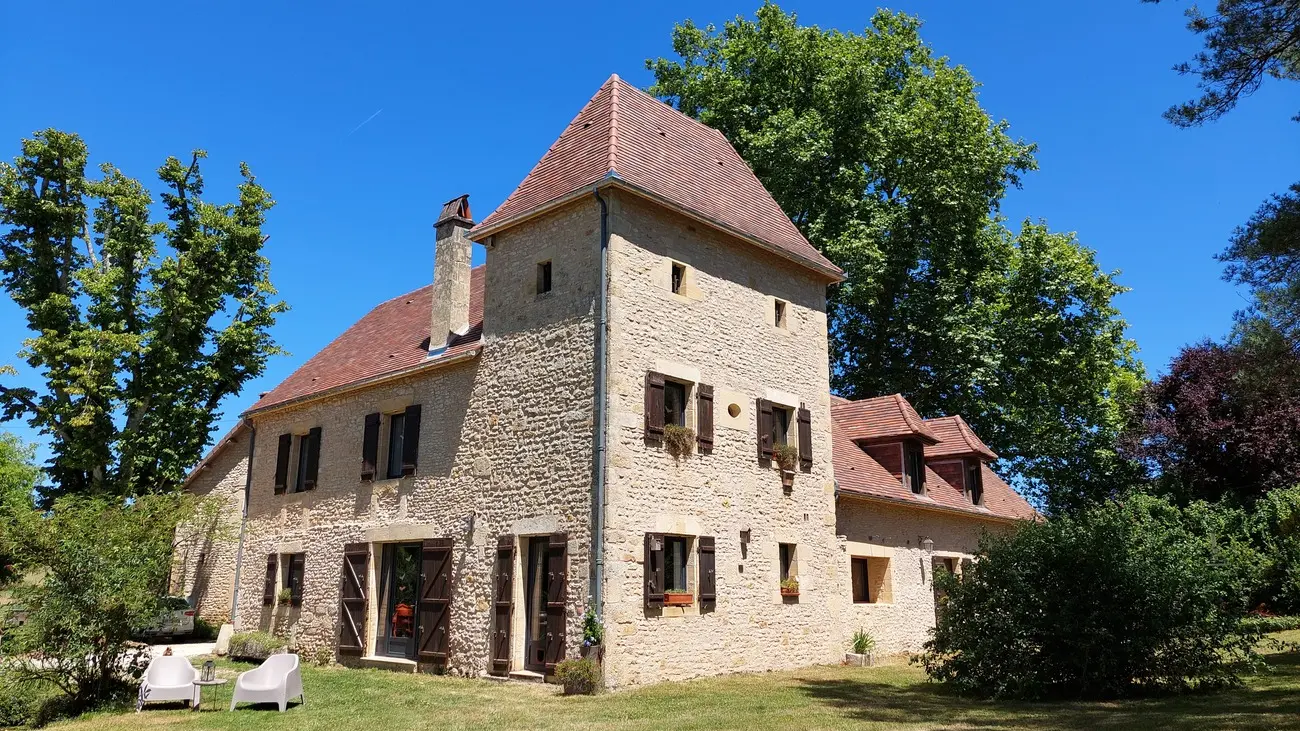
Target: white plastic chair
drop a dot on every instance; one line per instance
(168, 678)
(276, 681)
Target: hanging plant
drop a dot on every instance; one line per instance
(678, 440)
(786, 456)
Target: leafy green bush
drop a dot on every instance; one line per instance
(205, 631)
(1271, 623)
(579, 677)
(255, 646)
(593, 632)
(1128, 597)
(1275, 529)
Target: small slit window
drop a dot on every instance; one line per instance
(544, 277)
(789, 569)
(678, 277)
(778, 315)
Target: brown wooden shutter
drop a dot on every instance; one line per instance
(282, 464)
(804, 417)
(764, 411)
(313, 458)
(503, 606)
(708, 575)
(370, 447)
(411, 440)
(268, 589)
(654, 570)
(654, 407)
(435, 601)
(296, 567)
(704, 418)
(557, 594)
(353, 600)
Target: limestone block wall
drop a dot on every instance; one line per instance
(719, 330)
(874, 529)
(203, 564)
(505, 447)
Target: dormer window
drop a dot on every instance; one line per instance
(914, 467)
(974, 482)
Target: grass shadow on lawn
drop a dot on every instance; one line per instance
(1268, 700)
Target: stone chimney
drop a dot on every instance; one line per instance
(451, 267)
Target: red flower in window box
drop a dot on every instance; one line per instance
(678, 598)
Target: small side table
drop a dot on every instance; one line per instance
(199, 685)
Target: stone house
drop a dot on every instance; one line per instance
(626, 411)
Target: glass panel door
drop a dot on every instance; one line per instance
(402, 586)
(535, 605)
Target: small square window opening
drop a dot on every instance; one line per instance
(679, 276)
(544, 277)
(861, 575)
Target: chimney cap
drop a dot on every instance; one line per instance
(456, 209)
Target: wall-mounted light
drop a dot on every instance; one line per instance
(928, 545)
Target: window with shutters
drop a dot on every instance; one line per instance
(871, 581)
(676, 560)
(302, 447)
(974, 482)
(675, 403)
(291, 575)
(396, 433)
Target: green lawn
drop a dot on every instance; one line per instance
(894, 696)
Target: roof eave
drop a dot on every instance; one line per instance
(833, 274)
(469, 354)
(936, 507)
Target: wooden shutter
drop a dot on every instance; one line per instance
(268, 589)
(353, 600)
(557, 591)
(503, 606)
(313, 459)
(764, 411)
(654, 407)
(804, 417)
(704, 418)
(282, 464)
(296, 568)
(654, 570)
(708, 575)
(435, 601)
(370, 447)
(411, 440)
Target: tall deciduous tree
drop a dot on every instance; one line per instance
(18, 475)
(1225, 422)
(880, 153)
(140, 327)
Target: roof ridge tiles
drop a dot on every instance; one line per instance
(613, 123)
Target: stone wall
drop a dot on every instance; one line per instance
(876, 529)
(719, 330)
(505, 447)
(203, 565)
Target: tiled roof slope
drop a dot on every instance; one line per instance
(955, 438)
(881, 418)
(629, 136)
(230, 437)
(856, 473)
(392, 337)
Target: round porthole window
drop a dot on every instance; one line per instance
(734, 410)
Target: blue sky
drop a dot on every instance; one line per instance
(362, 118)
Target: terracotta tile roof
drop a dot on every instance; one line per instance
(881, 419)
(392, 337)
(626, 137)
(857, 474)
(955, 438)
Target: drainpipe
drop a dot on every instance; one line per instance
(243, 523)
(602, 371)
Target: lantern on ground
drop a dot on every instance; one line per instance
(209, 671)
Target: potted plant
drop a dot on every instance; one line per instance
(786, 457)
(790, 587)
(677, 598)
(678, 440)
(284, 597)
(593, 637)
(863, 650)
